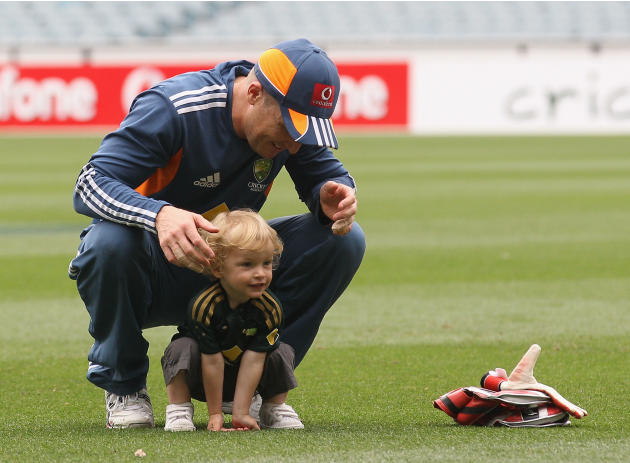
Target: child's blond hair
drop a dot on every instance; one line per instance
(241, 229)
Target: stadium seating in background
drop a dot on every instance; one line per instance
(98, 23)
(119, 23)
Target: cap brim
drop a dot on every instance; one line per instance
(309, 130)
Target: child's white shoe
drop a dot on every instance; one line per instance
(179, 417)
(279, 416)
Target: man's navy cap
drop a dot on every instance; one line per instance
(305, 81)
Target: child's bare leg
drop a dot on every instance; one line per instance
(177, 390)
(179, 411)
(278, 399)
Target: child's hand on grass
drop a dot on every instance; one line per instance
(215, 423)
(244, 423)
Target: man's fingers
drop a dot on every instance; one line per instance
(330, 188)
(199, 246)
(342, 227)
(180, 258)
(345, 210)
(346, 207)
(336, 192)
(177, 232)
(347, 202)
(202, 222)
(339, 204)
(177, 251)
(192, 252)
(189, 249)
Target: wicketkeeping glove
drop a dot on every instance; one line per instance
(522, 377)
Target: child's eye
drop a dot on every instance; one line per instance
(268, 263)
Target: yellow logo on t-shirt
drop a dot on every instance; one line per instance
(273, 337)
(233, 353)
(212, 213)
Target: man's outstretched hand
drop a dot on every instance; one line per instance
(339, 204)
(522, 377)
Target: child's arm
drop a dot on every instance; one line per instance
(212, 373)
(249, 374)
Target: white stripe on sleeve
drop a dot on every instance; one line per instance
(209, 88)
(189, 109)
(99, 212)
(116, 203)
(89, 191)
(195, 99)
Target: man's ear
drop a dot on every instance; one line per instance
(254, 92)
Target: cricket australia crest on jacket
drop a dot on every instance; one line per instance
(262, 168)
(253, 325)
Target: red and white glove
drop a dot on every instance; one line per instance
(522, 377)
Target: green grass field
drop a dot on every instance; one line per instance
(477, 248)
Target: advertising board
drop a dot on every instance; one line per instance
(74, 97)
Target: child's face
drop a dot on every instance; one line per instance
(246, 274)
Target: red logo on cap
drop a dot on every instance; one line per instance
(323, 95)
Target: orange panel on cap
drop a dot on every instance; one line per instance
(278, 68)
(300, 121)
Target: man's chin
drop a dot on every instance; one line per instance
(266, 152)
(269, 155)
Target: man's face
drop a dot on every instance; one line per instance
(265, 129)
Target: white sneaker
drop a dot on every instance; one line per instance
(179, 417)
(279, 416)
(129, 411)
(254, 408)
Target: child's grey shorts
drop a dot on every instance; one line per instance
(183, 354)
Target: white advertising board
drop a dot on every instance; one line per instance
(544, 90)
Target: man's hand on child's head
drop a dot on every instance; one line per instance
(180, 240)
(244, 423)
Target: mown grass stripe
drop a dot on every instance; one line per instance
(477, 247)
